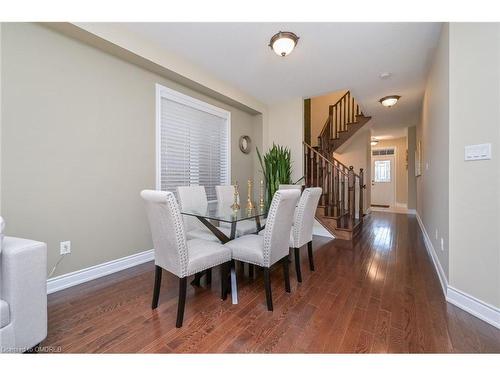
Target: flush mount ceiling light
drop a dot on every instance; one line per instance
(283, 43)
(389, 101)
(374, 141)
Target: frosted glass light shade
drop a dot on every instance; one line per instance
(283, 43)
(389, 101)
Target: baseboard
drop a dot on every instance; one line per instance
(78, 277)
(394, 210)
(319, 230)
(432, 254)
(482, 310)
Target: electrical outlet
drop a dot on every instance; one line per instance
(437, 234)
(442, 244)
(65, 247)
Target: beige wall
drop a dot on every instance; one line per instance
(412, 180)
(358, 154)
(432, 131)
(286, 128)
(401, 170)
(78, 129)
(475, 186)
(320, 107)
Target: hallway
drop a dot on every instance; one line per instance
(379, 295)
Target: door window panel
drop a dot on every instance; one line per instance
(382, 171)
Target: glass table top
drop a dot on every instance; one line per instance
(226, 214)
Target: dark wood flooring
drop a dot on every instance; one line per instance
(380, 295)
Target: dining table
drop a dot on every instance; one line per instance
(214, 214)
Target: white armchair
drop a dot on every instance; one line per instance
(177, 255)
(273, 245)
(23, 294)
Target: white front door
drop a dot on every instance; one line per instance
(383, 184)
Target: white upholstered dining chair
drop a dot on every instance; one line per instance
(177, 255)
(195, 198)
(273, 245)
(303, 226)
(225, 199)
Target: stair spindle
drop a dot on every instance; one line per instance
(361, 193)
(351, 198)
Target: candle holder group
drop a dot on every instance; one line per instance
(250, 204)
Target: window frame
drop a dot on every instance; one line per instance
(163, 92)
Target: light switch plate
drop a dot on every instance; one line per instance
(478, 152)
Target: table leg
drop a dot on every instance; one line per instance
(234, 284)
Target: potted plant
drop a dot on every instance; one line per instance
(277, 169)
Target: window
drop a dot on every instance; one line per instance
(383, 151)
(192, 143)
(382, 170)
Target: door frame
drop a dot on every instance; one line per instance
(394, 168)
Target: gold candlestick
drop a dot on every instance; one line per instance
(235, 206)
(262, 205)
(250, 205)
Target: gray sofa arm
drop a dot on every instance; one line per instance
(24, 287)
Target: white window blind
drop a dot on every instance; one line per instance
(193, 143)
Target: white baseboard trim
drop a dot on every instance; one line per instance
(482, 310)
(319, 230)
(78, 277)
(432, 254)
(394, 210)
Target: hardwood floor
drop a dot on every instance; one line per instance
(379, 295)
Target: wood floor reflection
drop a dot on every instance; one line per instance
(379, 295)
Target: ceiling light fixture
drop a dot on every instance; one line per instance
(389, 101)
(374, 141)
(385, 75)
(283, 43)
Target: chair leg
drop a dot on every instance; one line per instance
(286, 273)
(297, 264)
(250, 270)
(182, 301)
(196, 280)
(310, 253)
(267, 285)
(224, 277)
(156, 289)
(209, 276)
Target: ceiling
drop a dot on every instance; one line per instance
(328, 57)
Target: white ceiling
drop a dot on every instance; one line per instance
(328, 57)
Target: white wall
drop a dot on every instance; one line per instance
(433, 132)
(475, 186)
(286, 128)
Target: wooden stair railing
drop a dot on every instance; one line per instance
(342, 187)
(343, 113)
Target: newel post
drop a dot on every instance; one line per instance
(361, 193)
(351, 190)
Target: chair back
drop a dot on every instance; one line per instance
(278, 225)
(193, 198)
(304, 216)
(288, 187)
(225, 195)
(167, 230)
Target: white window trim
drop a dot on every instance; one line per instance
(165, 92)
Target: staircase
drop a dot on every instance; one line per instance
(340, 209)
